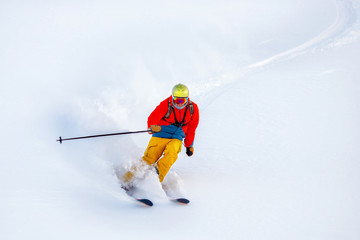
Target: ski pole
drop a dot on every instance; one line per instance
(100, 135)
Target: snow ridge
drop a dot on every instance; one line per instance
(344, 30)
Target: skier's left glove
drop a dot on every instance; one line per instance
(189, 151)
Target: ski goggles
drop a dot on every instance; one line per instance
(180, 100)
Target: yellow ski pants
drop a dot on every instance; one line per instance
(157, 147)
(167, 148)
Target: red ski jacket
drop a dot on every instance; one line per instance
(189, 123)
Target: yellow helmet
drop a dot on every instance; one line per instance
(180, 90)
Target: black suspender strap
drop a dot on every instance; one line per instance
(177, 123)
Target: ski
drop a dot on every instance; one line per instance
(145, 202)
(174, 196)
(182, 201)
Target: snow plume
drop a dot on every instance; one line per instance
(109, 110)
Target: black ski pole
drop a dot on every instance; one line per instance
(100, 135)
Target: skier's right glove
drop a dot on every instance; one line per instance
(155, 128)
(189, 151)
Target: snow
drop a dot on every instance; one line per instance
(277, 148)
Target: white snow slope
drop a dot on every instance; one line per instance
(277, 149)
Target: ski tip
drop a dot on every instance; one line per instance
(182, 200)
(146, 202)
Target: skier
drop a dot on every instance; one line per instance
(173, 120)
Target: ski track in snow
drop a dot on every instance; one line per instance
(347, 16)
(344, 30)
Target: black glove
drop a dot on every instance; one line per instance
(189, 151)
